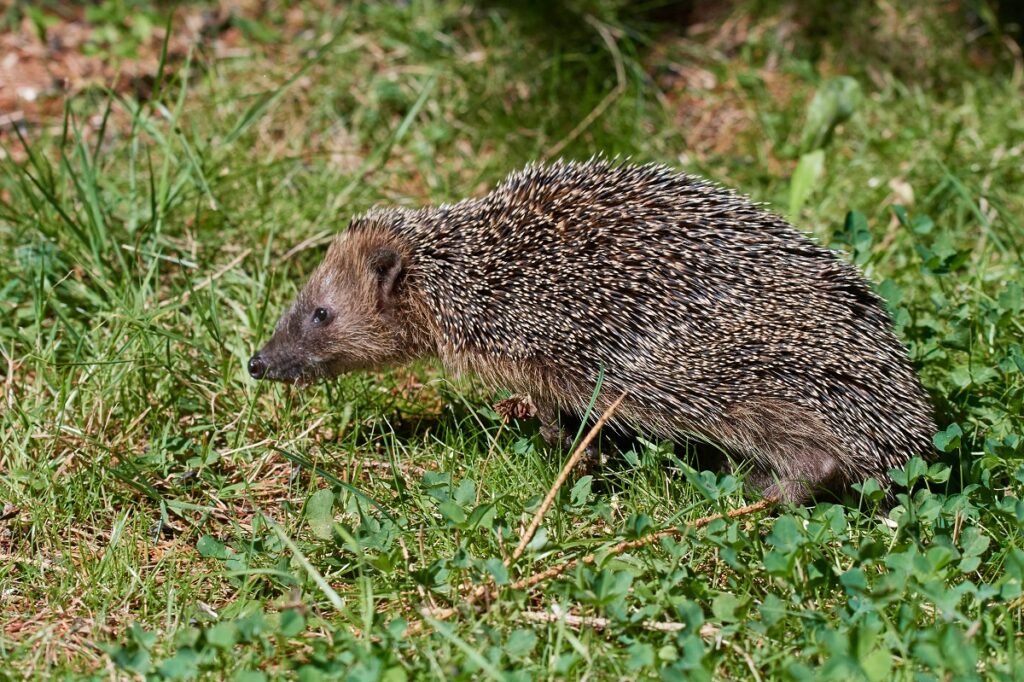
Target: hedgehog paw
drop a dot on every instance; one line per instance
(516, 407)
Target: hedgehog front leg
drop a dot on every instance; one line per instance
(521, 406)
(551, 429)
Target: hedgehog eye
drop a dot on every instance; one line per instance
(320, 316)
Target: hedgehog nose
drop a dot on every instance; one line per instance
(257, 367)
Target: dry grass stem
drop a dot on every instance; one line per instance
(556, 615)
(628, 545)
(208, 281)
(616, 92)
(538, 517)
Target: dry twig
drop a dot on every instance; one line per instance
(566, 470)
(627, 545)
(409, 471)
(556, 615)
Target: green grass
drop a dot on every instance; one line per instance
(165, 516)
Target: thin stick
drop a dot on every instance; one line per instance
(566, 470)
(160, 256)
(627, 545)
(408, 564)
(707, 631)
(749, 661)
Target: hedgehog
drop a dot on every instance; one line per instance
(718, 320)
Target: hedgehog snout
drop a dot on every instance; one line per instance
(257, 367)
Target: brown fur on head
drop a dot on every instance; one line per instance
(350, 315)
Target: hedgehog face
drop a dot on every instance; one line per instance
(344, 319)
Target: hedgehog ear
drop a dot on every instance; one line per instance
(387, 267)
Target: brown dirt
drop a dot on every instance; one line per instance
(38, 73)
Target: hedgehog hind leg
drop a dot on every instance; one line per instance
(803, 476)
(796, 455)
